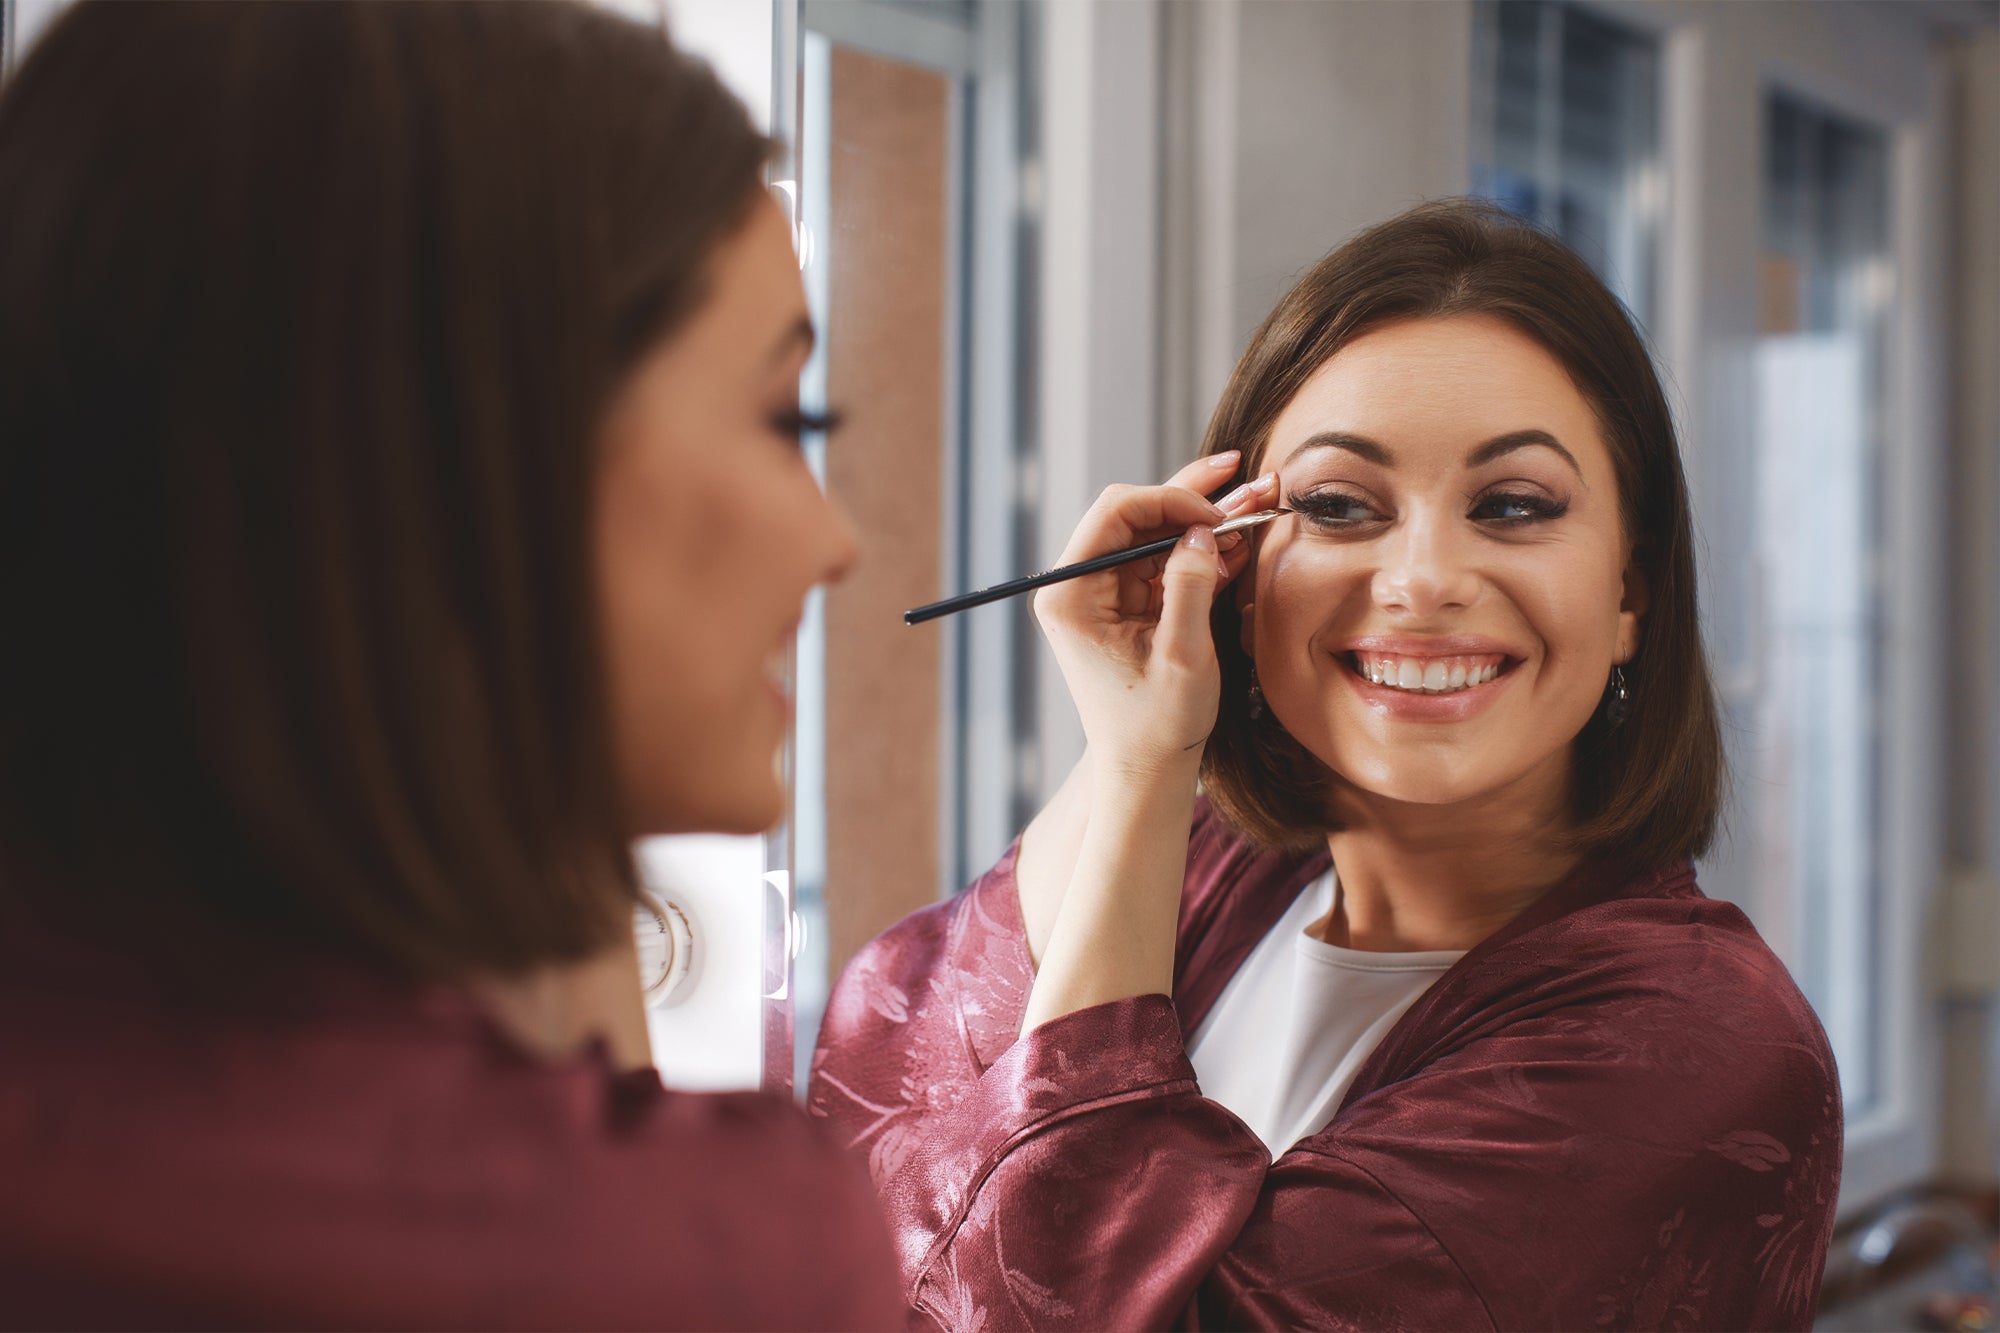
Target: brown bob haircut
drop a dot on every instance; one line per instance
(309, 314)
(1648, 791)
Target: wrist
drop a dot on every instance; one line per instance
(1144, 789)
(1145, 767)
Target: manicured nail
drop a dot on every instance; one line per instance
(1227, 458)
(1228, 541)
(1200, 538)
(1265, 484)
(1235, 497)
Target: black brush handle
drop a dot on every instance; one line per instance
(1015, 587)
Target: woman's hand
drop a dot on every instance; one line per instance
(1133, 642)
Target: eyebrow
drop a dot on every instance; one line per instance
(1497, 447)
(801, 332)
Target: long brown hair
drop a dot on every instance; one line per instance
(308, 315)
(1648, 791)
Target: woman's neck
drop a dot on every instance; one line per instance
(1415, 878)
(557, 1011)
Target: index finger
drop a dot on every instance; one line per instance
(1209, 474)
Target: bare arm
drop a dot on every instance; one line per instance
(1113, 936)
(1047, 857)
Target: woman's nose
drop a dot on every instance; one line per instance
(843, 547)
(1424, 570)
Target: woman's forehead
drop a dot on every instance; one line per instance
(1444, 384)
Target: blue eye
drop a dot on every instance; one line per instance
(1332, 509)
(1508, 508)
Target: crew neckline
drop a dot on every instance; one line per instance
(1324, 892)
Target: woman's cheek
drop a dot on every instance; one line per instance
(1304, 578)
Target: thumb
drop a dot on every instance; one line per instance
(1187, 591)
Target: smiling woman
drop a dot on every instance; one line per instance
(1453, 1039)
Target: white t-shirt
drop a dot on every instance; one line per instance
(1298, 1020)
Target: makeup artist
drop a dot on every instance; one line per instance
(396, 402)
(1412, 1016)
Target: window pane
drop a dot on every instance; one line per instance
(1824, 283)
(1566, 131)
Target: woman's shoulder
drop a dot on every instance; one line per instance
(949, 983)
(728, 1183)
(462, 1182)
(1680, 985)
(1655, 933)
(1630, 1076)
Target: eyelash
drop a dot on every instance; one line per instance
(1323, 508)
(795, 424)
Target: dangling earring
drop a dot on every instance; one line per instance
(1617, 698)
(1256, 695)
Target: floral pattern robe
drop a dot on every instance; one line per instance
(1617, 1112)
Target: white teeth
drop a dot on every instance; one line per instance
(1426, 675)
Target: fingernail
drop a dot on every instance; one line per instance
(1200, 538)
(1221, 567)
(1227, 458)
(1234, 497)
(1265, 484)
(1228, 540)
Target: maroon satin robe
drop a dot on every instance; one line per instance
(1617, 1112)
(370, 1158)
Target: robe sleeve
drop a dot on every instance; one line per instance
(1075, 1177)
(994, 1154)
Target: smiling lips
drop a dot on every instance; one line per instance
(1427, 675)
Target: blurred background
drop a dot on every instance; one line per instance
(1037, 233)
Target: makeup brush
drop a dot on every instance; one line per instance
(1015, 587)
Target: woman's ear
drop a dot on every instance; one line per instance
(1632, 606)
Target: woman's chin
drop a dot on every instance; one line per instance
(1399, 781)
(750, 811)
(738, 804)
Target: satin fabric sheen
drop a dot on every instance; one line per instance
(375, 1158)
(1617, 1112)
